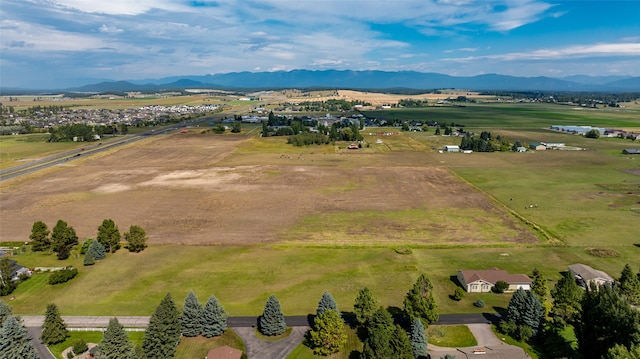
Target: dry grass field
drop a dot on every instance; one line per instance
(206, 189)
(377, 99)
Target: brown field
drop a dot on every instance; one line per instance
(207, 189)
(379, 99)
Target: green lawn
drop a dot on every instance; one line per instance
(454, 336)
(17, 150)
(89, 337)
(353, 345)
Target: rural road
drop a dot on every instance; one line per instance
(244, 327)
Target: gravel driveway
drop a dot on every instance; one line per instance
(256, 348)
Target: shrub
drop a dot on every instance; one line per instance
(79, 347)
(63, 276)
(70, 355)
(500, 286)
(458, 294)
(479, 303)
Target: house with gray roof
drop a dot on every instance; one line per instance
(586, 275)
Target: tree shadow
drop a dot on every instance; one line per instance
(354, 354)
(399, 317)
(637, 245)
(492, 318)
(500, 310)
(454, 280)
(349, 318)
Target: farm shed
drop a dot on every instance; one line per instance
(631, 151)
(585, 275)
(537, 146)
(482, 281)
(450, 148)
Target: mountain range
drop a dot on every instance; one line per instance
(366, 80)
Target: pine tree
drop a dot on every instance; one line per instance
(621, 352)
(5, 311)
(85, 245)
(54, 330)
(364, 306)
(163, 333)
(88, 259)
(109, 235)
(606, 319)
(629, 285)
(271, 321)
(328, 334)
(15, 341)
(533, 314)
(115, 343)
(381, 329)
(40, 240)
(517, 305)
(7, 286)
(418, 339)
(97, 250)
(419, 301)
(400, 344)
(327, 302)
(191, 319)
(539, 286)
(214, 318)
(566, 299)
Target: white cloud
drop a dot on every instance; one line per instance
(109, 29)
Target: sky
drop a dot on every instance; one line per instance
(58, 43)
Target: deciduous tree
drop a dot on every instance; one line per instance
(214, 318)
(136, 239)
(7, 286)
(109, 235)
(63, 238)
(163, 333)
(566, 299)
(191, 320)
(328, 333)
(54, 330)
(115, 343)
(629, 285)
(40, 240)
(419, 301)
(15, 341)
(271, 321)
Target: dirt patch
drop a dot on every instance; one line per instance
(603, 252)
(196, 190)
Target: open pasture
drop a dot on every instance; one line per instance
(16, 150)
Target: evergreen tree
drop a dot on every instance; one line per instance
(15, 341)
(63, 238)
(40, 240)
(214, 318)
(97, 250)
(328, 334)
(539, 285)
(606, 319)
(163, 333)
(136, 239)
(5, 312)
(85, 245)
(327, 302)
(517, 305)
(115, 343)
(271, 321)
(109, 235)
(191, 319)
(418, 339)
(400, 344)
(629, 285)
(54, 330)
(419, 302)
(533, 315)
(381, 329)
(7, 286)
(89, 260)
(364, 306)
(566, 299)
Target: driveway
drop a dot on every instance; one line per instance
(489, 346)
(256, 348)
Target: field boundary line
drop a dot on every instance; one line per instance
(543, 232)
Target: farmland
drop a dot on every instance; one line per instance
(242, 217)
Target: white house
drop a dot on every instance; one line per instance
(481, 281)
(585, 275)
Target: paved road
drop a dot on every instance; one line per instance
(43, 351)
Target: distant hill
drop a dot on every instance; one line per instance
(369, 80)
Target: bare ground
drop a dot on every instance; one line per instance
(191, 190)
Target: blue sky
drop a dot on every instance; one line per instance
(55, 43)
